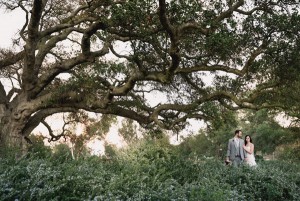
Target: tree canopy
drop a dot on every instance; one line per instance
(112, 56)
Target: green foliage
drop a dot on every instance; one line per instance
(128, 130)
(289, 152)
(198, 145)
(150, 170)
(62, 153)
(267, 135)
(110, 150)
(212, 141)
(155, 133)
(37, 148)
(101, 127)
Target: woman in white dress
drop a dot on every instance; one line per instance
(249, 148)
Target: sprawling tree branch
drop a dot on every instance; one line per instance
(11, 59)
(197, 54)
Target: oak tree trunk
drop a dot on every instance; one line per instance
(12, 123)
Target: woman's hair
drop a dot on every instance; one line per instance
(246, 140)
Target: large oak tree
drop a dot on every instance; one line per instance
(110, 56)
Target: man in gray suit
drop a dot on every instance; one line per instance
(235, 152)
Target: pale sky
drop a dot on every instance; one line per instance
(10, 23)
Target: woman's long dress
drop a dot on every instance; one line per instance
(250, 157)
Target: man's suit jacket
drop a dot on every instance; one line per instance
(232, 150)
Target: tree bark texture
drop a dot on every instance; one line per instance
(11, 132)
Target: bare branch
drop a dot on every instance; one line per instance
(164, 20)
(39, 117)
(210, 68)
(3, 98)
(22, 31)
(11, 59)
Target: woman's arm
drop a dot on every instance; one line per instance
(251, 149)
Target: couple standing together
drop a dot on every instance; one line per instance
(240, 150)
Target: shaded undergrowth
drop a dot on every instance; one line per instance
(147, 171)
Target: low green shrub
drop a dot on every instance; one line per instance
(146, 171)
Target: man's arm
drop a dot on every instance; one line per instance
(228, 151)
(245, 152)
